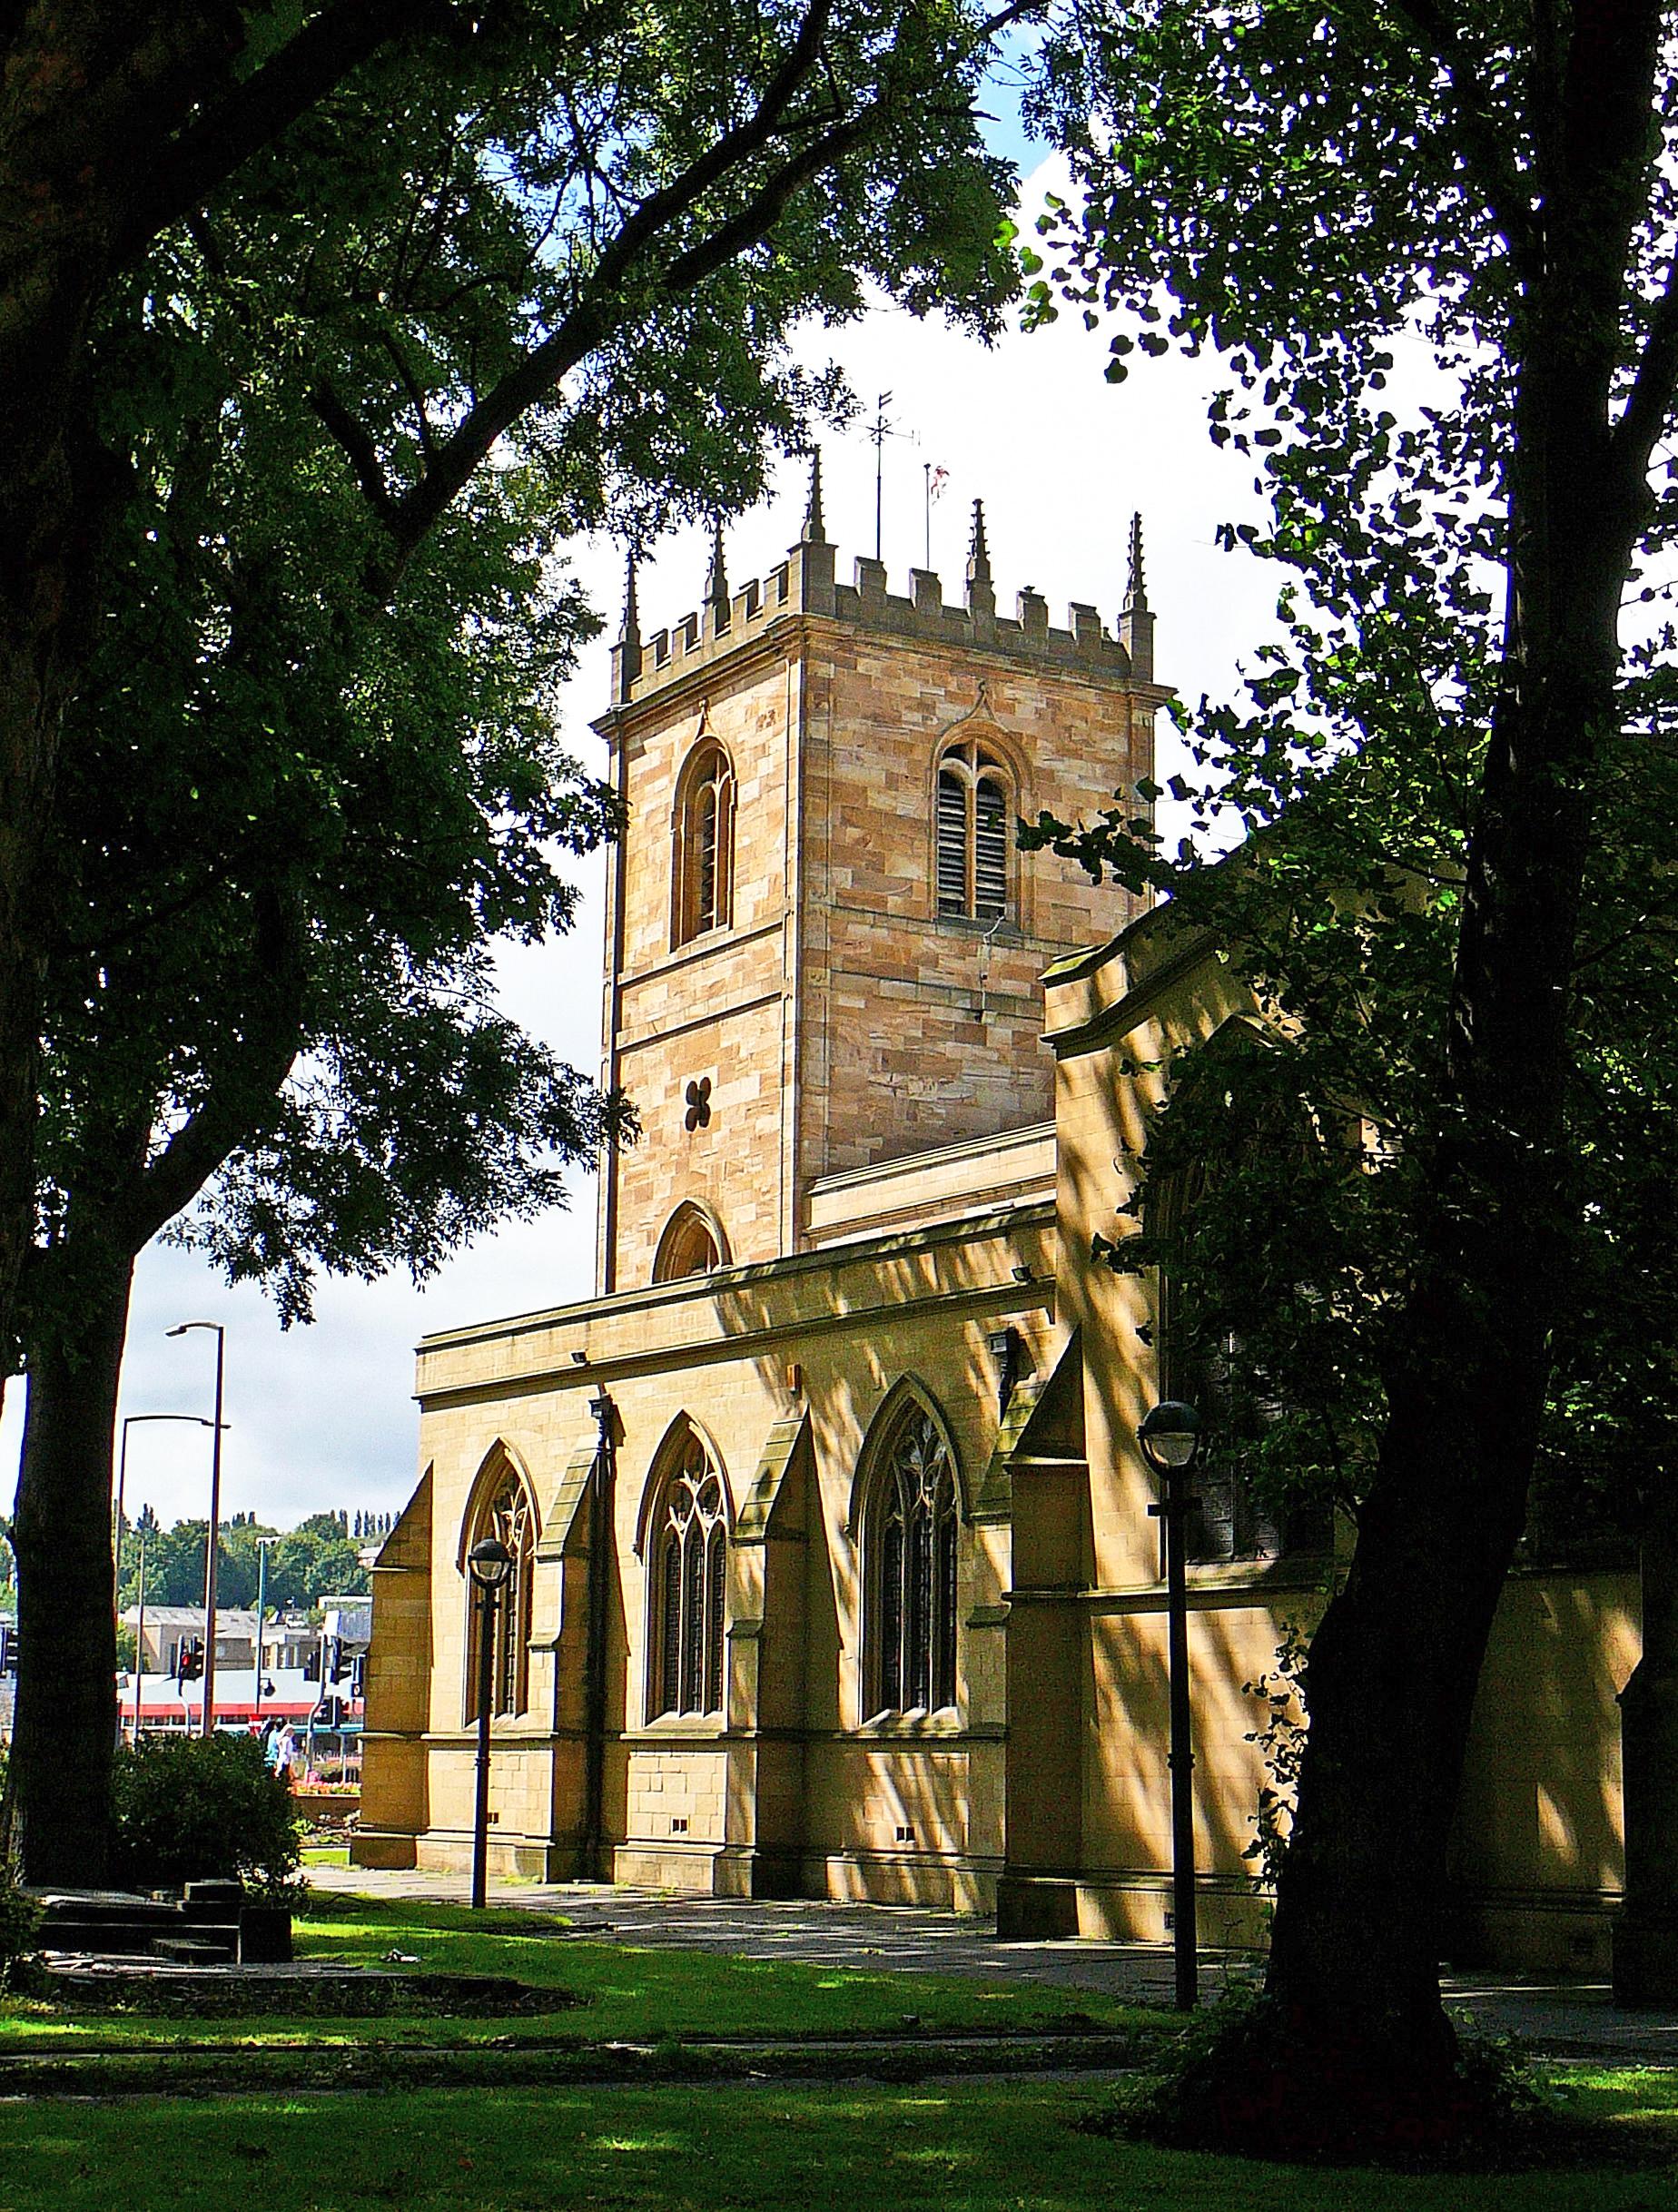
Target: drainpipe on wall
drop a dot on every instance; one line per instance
(602, 1482)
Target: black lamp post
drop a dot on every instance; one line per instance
(1169, 1437)
(213, 1537)
(488, 1564)
(133, 1421)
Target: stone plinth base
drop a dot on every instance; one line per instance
(1036, 1908)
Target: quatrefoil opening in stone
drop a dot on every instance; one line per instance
(699, 1103)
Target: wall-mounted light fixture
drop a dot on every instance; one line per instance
(1007, 1348)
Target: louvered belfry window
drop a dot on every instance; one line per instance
(690, 1587)
(952, 843)
(703, 889)
(975, 805)
(507, 1515)
(914, 1538)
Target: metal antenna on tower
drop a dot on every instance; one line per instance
(879, 430)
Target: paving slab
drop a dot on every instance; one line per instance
(1550, 2014)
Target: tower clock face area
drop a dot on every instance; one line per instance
(826, 946)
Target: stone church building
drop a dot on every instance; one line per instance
(834, 1573)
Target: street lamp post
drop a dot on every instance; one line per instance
(132, 1420)
(140, 1644)
(1169, 1437)
(213, 1539)
(489, 1564)
(263, 1544)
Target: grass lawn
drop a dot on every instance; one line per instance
(1001, 2147)
(636, 1995)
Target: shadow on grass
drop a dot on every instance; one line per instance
(1012, 2149)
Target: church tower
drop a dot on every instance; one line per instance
(823, 943)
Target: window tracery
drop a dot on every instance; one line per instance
(506, 1514)
(912, 1542)
(689, 1587)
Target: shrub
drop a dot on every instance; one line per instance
(20, 1918)
(201, 1808)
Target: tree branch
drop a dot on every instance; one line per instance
(345, 34)
(1649, 404)
(590, 321)
(411, 385)
(763, 209)
(1483, 142)
(359, 449)
(251, 1079)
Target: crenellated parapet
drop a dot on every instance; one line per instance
(806, 584)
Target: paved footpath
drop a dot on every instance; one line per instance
(1569, 2018)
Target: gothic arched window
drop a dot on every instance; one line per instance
(911, 1538)
(1236, 1130)
(689, 1568)
(691, 1244)
(974, 807)
(506, 1512)
(702, 888)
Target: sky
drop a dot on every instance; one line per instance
(321, 1416)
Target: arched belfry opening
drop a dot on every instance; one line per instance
(702, 870)
(693, 1243)
(974, 809)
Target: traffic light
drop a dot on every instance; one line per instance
(358, 1679)
(190, 1659)
(8, 1648)
(312, 1665)
(337, 1665)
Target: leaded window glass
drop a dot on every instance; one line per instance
(914, 1543)
(507, 1515)
(690, 1587)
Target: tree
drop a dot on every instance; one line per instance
(116, 128)
(1303, 189)
(309, 1562)
(542, 284)
(661, 147)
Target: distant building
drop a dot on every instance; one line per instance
(288, 1641)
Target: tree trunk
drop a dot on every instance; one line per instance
(1393, 1667)
(64, 1729)
(25, 786)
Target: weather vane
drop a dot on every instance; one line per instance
(879, 430)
